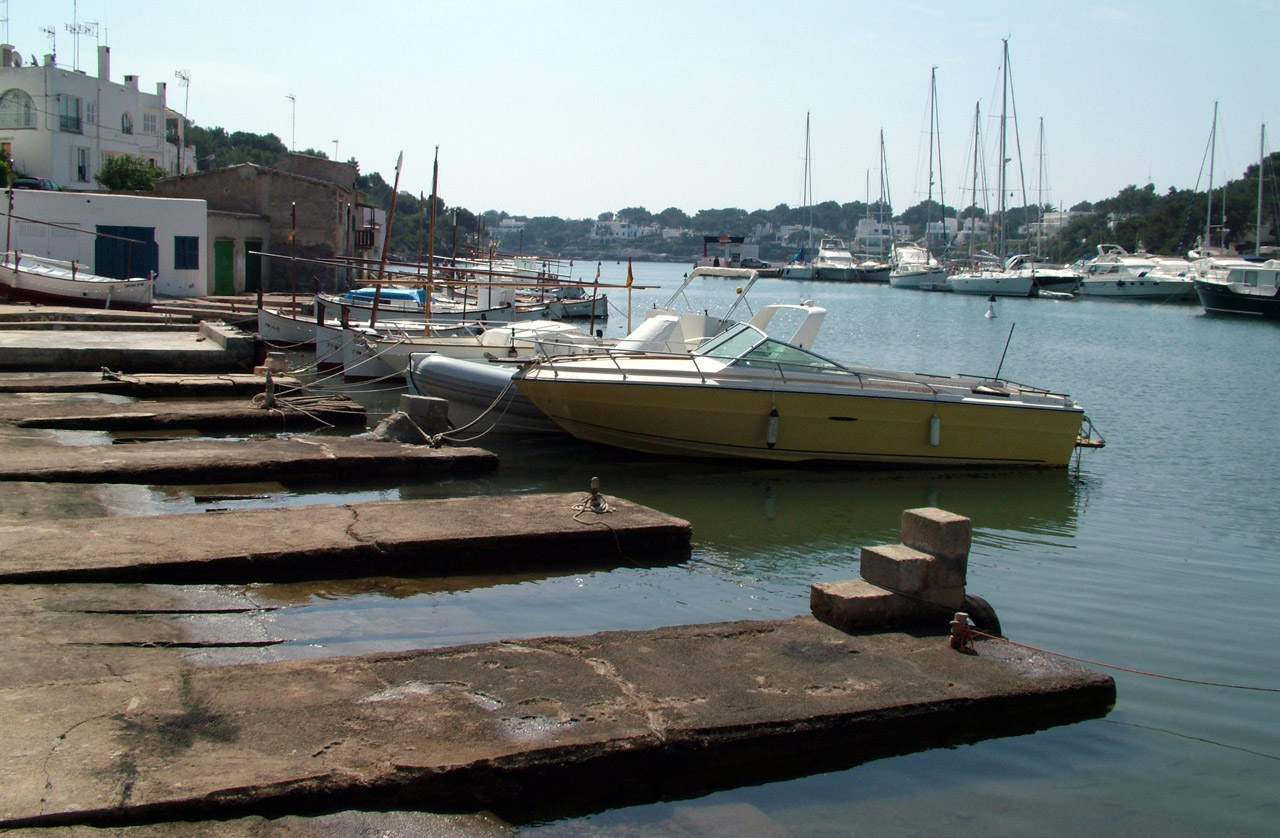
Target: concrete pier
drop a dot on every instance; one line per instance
(237, 461)
(208, 347)
(407, 538)
(527, 729)
(211, 415)
(142, 385)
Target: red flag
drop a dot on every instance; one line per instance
(630, 278)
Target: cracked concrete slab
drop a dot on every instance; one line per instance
(410, 538)
(538, 728)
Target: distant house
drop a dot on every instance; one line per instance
(1050, 226)
(972, 229)
(613, 230)
(63, 124)
(871, 234)
(309, 208)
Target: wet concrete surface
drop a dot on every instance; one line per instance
(530, 729)
(411, 538)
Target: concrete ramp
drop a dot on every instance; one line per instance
(543, 728)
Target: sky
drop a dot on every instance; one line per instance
(572, 109)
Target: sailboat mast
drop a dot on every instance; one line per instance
(808, 183)
(1262, 154)
(928, 205)
(977, 117)
(1040, 195)
(1004, 159)
(1213, 150)
(936, 131)
(885, 201)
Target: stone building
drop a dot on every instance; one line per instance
(313, 214)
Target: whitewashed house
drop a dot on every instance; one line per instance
(62, 124)
(116, 235)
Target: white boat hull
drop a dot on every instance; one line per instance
(35, 279)
(1141, 288)
(917, 278)
(283, 327)
(801, 272)
(993, 284)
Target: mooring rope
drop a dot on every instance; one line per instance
(1130, 670)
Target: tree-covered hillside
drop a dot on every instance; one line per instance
(1135, 217)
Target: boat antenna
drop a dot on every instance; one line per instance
(1000, 366)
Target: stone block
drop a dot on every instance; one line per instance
(950, 598)
(428, 413)
(937, 532)
(857, 605)
(896, 567)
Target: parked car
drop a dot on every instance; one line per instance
(36, 183)
(751, 262)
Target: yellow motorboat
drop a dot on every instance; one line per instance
(746, 394)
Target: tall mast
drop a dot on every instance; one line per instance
(808, 182)
(1262, 155)
(885, 201)
(936, 121)
(1040, 194)
(1213, 150)
(1004, 159)
(977, 116)
(929, 200)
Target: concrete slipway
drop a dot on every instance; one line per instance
(531, 729)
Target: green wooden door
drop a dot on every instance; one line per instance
(224, 268)
(252, 265)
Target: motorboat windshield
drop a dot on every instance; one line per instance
(746, 346)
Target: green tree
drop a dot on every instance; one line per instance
(638, 216)
(674, 217)
(128, 173)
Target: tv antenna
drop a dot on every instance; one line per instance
(53, 39)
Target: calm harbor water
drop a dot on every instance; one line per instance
(1160, 553)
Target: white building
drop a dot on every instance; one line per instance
(117, 235)
(870, 234)
(972, 229)
(611, 230)
(62, 124)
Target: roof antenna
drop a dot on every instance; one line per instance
(1006, 350)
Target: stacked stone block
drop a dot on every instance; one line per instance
(918, 582)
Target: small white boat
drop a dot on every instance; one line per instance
(287, 327)
(834, 262)
(915, 267)
(36, 279)
(394, 350)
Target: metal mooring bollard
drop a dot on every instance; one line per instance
(961, 633)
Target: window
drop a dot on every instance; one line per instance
(69, 113)
(91, 112)
(82, 165)
(17, 110)
(126, 123)
(148, 123)
(186, 253)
